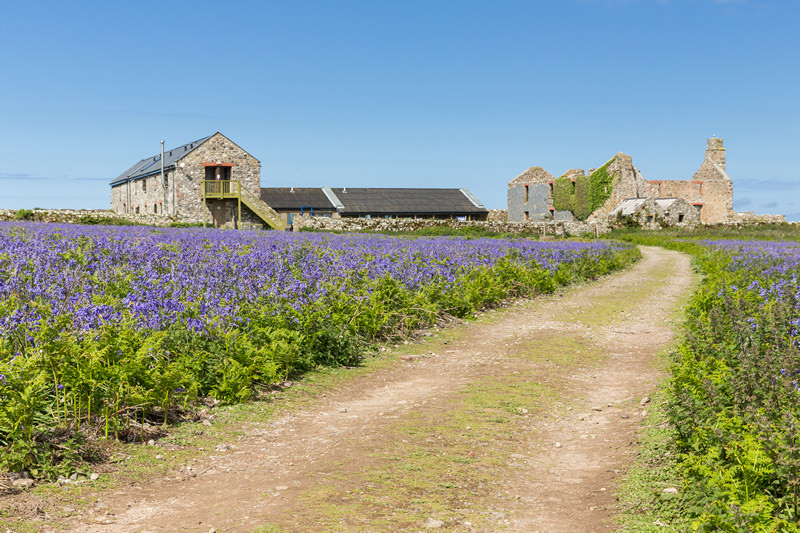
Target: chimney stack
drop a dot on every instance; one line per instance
(715, 152)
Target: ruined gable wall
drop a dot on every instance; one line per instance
(627, 183)
(537, 205)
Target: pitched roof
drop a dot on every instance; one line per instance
(296, 197)
(406, 202)
(152, 165)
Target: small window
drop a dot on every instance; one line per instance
(137, 209)
(649, 218)
(550, 185)
(680, 218)
(155, 209)
(527, 216)
(527, 192)
(144, 185)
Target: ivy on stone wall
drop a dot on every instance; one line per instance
(602, 184)
(562, 194)
(582, 202)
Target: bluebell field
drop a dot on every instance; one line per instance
(104, 329)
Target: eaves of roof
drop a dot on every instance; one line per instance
(152, 165)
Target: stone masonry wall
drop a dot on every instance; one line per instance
(189, 177)
(395, 224)
(143, 196)
(627, 183)
(538, 202)
(498, 215)
(716, 197)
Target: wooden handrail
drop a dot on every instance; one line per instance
(234, 189)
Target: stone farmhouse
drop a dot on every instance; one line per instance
(210, 180)
(214, 181)
(706, 198)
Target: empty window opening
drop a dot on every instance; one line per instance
(680, 217)
(527, 191)
(527, 216)
(550, 185)
(144, 185)
(218, 173)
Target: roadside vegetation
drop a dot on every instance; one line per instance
(732, 435)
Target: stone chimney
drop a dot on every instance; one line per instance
(715, 152)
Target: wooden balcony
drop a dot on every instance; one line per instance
(230, 189)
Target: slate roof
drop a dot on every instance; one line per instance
(152, 165)
(406, 202)
(296, 197)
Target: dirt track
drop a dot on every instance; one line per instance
(520, 421)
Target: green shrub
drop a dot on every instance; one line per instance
(563, 194)
(24, 214)
(582, 201)
(602, 184)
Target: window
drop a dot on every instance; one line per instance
(527, 192)
(550, 185)
(680, 218)
(137, 209)
(144, 185)
(155, 209)
(218, 173)
(527, 216)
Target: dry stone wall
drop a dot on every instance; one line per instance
(396, 224)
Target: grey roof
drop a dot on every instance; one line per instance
(296, 197)
(407, 202)
(152, 165)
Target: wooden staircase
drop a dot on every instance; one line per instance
(223, 189)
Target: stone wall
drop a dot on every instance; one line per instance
(78, 216)
(748, 217)
(190, 174)
(143, 196)
(396, 224)
(498, 215)
(627, 183)
(715, 197)
(537, 206)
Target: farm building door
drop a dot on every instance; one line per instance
(218, 212)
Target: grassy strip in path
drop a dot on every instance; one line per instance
(446, 459)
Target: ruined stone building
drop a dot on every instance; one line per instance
(214, 181)
(706, 198)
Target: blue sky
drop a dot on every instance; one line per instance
(400, 94)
